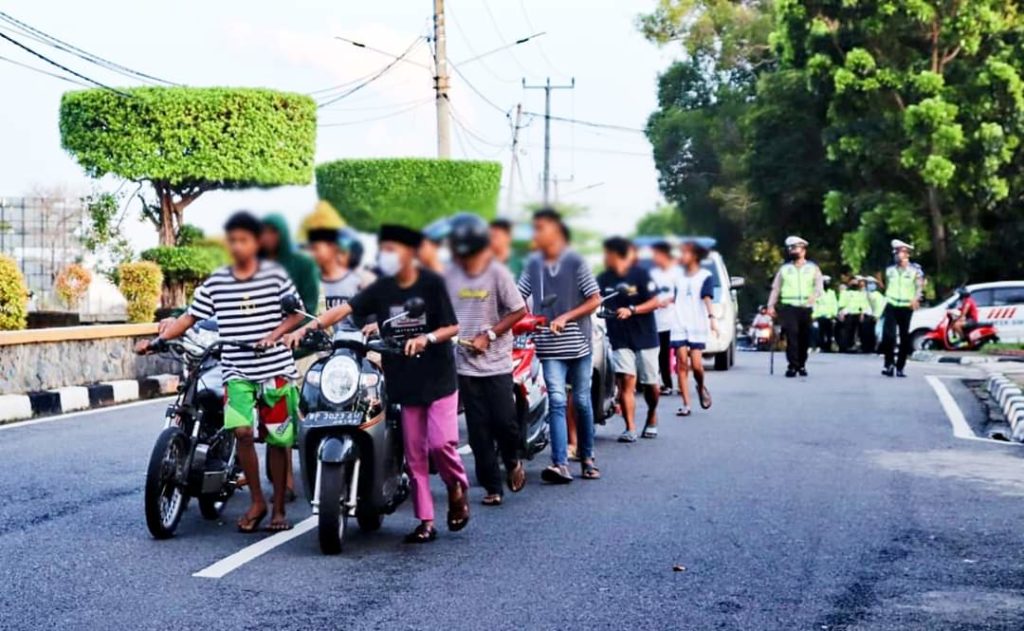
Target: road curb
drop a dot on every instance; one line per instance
(1009, 397)
(20, 407)
(931, 357)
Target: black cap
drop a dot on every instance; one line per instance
(329, 235)
(400, 234)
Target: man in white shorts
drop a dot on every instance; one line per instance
(694, 323)
(633, 333)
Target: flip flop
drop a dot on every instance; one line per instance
(251, 524)
(590, 472)
(516, 478)
(556, 475)
(651, 431)
(492, 500)
(705, 397)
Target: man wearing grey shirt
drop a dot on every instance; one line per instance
(487, 304)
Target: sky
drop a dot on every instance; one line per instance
(292, 46)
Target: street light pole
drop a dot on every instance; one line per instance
(547, 87)
(441, 82)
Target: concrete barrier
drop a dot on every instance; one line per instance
(1009, 397)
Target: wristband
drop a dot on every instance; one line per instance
(632, 309)
(431, 338)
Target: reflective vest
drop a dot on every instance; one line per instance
(798, 284)
(826, 306)
(901, 284)
(855, 301)
(877, 302)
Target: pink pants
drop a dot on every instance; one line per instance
(432, 431)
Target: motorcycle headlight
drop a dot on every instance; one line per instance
(339, 379)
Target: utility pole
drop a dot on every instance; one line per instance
(514, 162)
(547, 87)
(558, 180)
(441, 82)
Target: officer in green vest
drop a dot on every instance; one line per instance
(826, 308)
(796, 288)
(852, 307)
(904, 287)
(876, 307)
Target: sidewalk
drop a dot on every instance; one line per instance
(965, 358)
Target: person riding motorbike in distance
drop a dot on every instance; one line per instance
(968, 314)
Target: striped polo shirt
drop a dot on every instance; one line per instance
(247, 311)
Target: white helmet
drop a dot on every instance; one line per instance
(793, 240)
(896, 244)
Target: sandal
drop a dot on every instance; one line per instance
(516, 478)
(683, 411)
(590, 472)
(458, 511)
(249, 525)
(279, 524)
(492, 500)
(705, 397)
(556, 474)
(422, 534)
(573, 455)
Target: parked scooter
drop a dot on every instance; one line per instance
(350, 441)
(193, 455)
(943, 337)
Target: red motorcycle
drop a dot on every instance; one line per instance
(528, 387)
(943, 337)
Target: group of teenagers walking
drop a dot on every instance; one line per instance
(804, 305)
(473, 300)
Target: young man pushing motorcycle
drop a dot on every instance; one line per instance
(245, 299)
(423, 379)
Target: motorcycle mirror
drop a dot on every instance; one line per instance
(415, 307)
(622, 289)
(291, 304)
(549, 300)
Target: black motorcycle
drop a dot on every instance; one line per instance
(193, 455)
(350, 441)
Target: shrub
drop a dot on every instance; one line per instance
(410, 191)
(13, 296)
(140, 283)
(185, 267)
(71, 284)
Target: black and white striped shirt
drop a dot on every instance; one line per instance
(570, 281)
(247, 311)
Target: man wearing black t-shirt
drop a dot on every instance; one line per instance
(633, 333)
(423, 380)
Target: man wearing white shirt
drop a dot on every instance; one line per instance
(664, 273)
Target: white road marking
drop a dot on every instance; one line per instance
(961, 429)
(64, 417)
(231, 563)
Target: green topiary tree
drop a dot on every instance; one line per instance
(185, 141)
(410, 191)
(140, 283)
(13, 296)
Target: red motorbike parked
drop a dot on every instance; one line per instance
(943, 337)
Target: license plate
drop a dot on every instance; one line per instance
(334, 418)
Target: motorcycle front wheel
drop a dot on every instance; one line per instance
(165, 496)
(333, 518)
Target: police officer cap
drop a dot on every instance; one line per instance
(793, 240)
(825, 278)
(896, 244)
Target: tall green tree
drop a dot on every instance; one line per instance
(924, 109)
(184, 141)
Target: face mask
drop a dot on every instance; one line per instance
(389, 263)
(444, 256)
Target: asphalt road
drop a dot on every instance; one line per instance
(841, 501)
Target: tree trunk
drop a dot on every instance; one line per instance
(167, 212)
(938, 223)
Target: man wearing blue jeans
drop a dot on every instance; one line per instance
(563, 290)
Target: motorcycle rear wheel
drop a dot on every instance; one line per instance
(165, 497)
(333, 519)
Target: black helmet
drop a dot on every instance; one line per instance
(963, 292)
(348, 240)
(468, 234)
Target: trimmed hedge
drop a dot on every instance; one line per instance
(187, 264)
(410, 191)
(211, 137)
(140, 283)
(13, 296)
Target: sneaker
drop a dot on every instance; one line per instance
(889, 371)
(666, 391)
(627, 437)
(790, 373)
(556, 474)
(801, 371)
(683, 411)
(900, 373)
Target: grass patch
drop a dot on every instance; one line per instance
(1003, 348)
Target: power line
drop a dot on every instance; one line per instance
(477, 91)
(501, 36)
(60, 44)
(375, 76)
(575, 121)
(45, 72)
(476, 55)
(418, 105)
(61, 66)
(540, 47)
